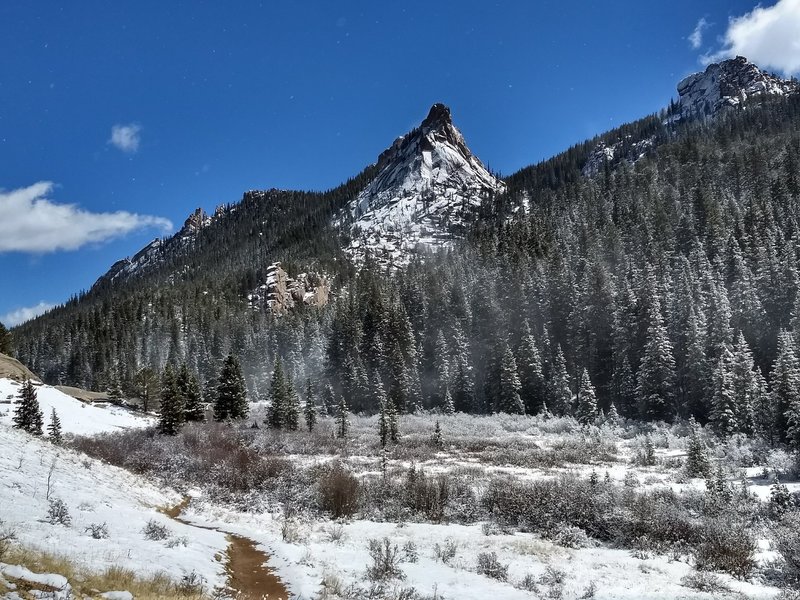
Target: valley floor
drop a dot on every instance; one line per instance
(317, 557)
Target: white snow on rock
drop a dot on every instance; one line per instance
(76, 417)
(427, 186)
(728, 83)
(97, 493)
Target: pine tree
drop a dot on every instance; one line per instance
(392, 422)
(328, 400)
(291, 419)
(442, 366)
(531, 375)
(509, 400)
(463, 388)
(114, 390)
(27, 415)
(231, 401)
(54, 428)
(448, 407)
(745, 385)
(587, 401)
(656, 377)
(383, 425)
(612, 416)
(5, 341)
(697, 464)
(310, 408)
(560, 393)
(724, 406)
(342, 421)
(171, 414)
(437, 436)
(278, 396)
(785, 382)
(193, 409)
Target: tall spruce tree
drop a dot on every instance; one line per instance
(724, 406)
(278, 397)
(509, 400)
(656, 378)
(193, 409)
(531, 375)
(310, 408)
(27, 415)
(586, 413)
(560, 393)
(5, 341)
(231, 401)
(171, 412)
(342, 419)
(785, 383)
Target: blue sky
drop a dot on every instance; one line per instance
(119, 118)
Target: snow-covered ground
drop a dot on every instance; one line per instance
(76, 417)
(33, 470)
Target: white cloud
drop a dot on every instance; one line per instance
(26, 313)
(29, 222)
(768, 36)
(126, 137)
(696, 37)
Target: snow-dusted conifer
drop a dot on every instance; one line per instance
(656, 378)
(724, 408)
(231, 401)
(27, 415)
(509, 400)
(54, 428)
(586, 412)
(560, 394)
(171, 415)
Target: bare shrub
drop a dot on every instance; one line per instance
(98, 531)
(385, 561)
(58, 513)
(490, 565)
(445, 552)
(787, 542)
(339, 491)
(726, 546)
(155, 531)
(7, 538)
(335, 533)
(410, 553)
(704, 582)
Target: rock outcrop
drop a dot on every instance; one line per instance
(728, 83)
(281, 293)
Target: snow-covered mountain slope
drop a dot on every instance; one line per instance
(96, 493)
(76, 417)
(427, 185)
(158, 250)
(728, 83)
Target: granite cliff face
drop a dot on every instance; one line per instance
(728, 83)
(281, 293)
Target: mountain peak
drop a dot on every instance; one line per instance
(427, 185)
(438, 115)
(728, 83)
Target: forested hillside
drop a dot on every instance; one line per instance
(666, 287)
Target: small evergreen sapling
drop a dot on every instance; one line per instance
(54, 428)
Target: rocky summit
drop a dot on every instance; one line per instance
(427, 185)
(728, 83)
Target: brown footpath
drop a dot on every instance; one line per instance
(248, 576)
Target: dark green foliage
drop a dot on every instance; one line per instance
(5, 341)
(54, 428)
(27, 415)
(171, 413)
(231, 401)
(189, 388)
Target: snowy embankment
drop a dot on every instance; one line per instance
(33, 471)
(76, 416)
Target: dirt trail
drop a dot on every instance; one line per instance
(245, 565)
